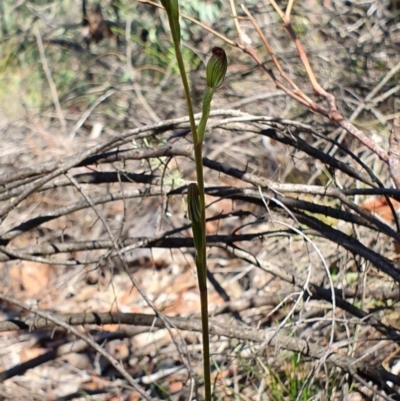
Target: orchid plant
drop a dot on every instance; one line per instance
(215, 74)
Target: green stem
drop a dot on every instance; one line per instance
(201, 264)
(207, 98)
(201, 257)
(206, 339)
(186, 88)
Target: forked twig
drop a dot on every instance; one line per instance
(304, 59)
(332, 112)
(269, 49)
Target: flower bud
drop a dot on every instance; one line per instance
(193, 201)
(216, 68)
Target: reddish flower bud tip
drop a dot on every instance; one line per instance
(217, 51)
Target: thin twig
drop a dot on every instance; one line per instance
(52, 86)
